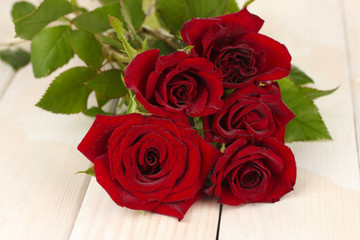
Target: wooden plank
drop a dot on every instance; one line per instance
(7, 73)
(326, 200)
(101, 218)
(351, 10)
(40, 194)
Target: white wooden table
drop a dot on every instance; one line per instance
(41, 198)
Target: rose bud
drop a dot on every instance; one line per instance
(149, 163)
(176, 85)
(233, 44)
(252, 112)
(248, 173)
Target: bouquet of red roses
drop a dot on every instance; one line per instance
(159, 162)
(201, 110)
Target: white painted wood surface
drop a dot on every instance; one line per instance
(351, 11)
(101, 218)
(41, 198)
(326, 201)
(40, 195)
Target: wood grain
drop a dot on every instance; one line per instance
(101, 218)
(40, 194)
(325, 203)
(351, 9)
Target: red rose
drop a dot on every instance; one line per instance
(233, 44)
(176, 84)
(252, 112)
(253, 173)
(149, 163)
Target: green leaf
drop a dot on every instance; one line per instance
(307, 124)
(90, 171)
(298, 76)
(48, 11)
(101, 101)
(132, 107)
(223, 147)
(150, 20)
(132, 104)
(173, 13)
(91, 112)
(231, 7)
(87, 47)
(16, 58)
(159, 44)
(187, 49)
(144, 45)
(116, 24)
(207, 8)
(21, 9)
(77, 9)
(108, 84)
(68, 93)
(133, 13)
(50, 49)
(126, 14)
(112, 42)
(313, 93)
(97, 20)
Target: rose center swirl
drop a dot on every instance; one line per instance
(181, 90)
(237, 65)
(249, 176)
(150, 163)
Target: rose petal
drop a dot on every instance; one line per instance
(119, 195)
(189, 183)
(243, 18)
(95, 141)
(278, 107)
(286, 179)
(136, 80)
(237, 24)
(193, 30)
(277, 59)
(214, 90)
(177, 209)
(209, 154)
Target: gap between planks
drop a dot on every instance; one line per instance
(350, 70)
(7, 85)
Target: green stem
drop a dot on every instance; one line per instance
(66, 19)
(12, 43)
(74, 3)
(247, 3)
(119, 57)
(77, 9)
(122, 102)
